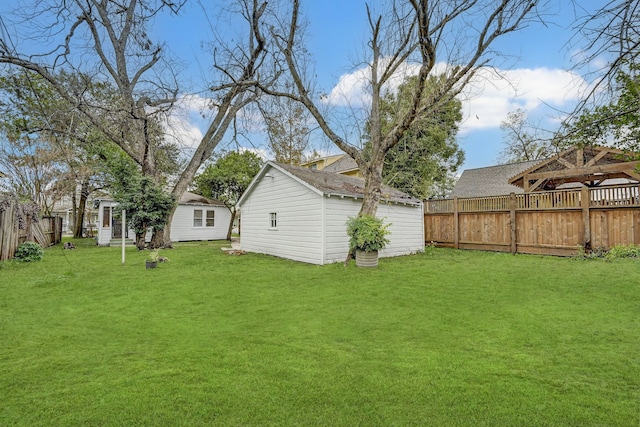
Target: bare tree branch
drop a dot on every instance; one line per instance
(410, 35)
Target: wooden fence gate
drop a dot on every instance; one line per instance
(551, 222)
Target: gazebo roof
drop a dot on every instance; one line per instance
(590, 165)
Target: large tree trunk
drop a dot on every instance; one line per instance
(233, 217)
(372, 188)
(158, 240)
(74, 212)
(140, 243)
(80, 211)
(166, 232)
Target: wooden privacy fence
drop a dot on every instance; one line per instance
(551, 222)
(16, 229)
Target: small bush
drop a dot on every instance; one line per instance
(623, 251)
(616, 252)
(598, 252)
(367, 233)
(29, 252)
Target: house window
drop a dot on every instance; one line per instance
(106, 216)
(197, 218)
(273, 220)
(211, 217)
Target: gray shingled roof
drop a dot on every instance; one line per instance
(196, 199)
(330, 183)
(345, 164)
(490, 181)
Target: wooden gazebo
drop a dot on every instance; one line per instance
(590, 166)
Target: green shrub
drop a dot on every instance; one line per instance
(623, 251)
(367, 233)
(29, 252)
(598, 252)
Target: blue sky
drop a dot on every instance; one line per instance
(538, 67)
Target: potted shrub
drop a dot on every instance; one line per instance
(154, 258)
(367, 235)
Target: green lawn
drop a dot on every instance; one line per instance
(445, 338)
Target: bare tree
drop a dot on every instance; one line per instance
(31, 170)
(410, 36)
(611, 32)
(288, 128)
(102, 40)
(108, 40)
(524, 141)
(608, 35)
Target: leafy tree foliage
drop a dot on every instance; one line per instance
(146, 204)
(617, 123)
(52, 150)
(427, 156)
(29, 156)
(522, 141)
(111, 39)
(227, 178)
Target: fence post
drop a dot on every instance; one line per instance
(585, 201)
(512, 214)
(456, 226)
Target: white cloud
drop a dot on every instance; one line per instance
(489, 97)
(352, 89)
(186, 120)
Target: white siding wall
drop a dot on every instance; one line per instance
(406, 237)
(182, 228)
(407, 229)
(337, 212)
(299, 234)
(104, 236)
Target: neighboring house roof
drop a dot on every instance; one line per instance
(490, 181)
(322, 162)
(329, 184)
(189, 198)
(343, 165)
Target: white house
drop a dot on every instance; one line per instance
(196, 218)
(300, 214)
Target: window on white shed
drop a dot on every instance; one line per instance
(211, 218)
(197, 217)
(273, 220)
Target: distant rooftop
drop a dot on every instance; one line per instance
(491, 180)
(344, 164)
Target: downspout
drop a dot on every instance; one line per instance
(323, 236)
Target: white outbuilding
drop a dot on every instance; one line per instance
(301, 214)
(196, 218)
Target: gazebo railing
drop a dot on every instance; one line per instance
(618, 195)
